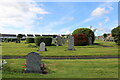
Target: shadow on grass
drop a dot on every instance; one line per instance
(101, 45)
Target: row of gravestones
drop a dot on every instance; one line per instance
(61, 41)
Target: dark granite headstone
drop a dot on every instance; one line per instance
(33, 63)
(90, 40)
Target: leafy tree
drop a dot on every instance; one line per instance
(19, 36)
(116, 34)
(87, 31)
(104, 35)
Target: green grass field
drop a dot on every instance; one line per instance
(82, 68)
(22, 49)
(65, 68)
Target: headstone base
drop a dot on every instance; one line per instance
(71, 49)
(27, 71)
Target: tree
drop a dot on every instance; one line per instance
(104, 35)
(87, 31)
(19, 36)
(116, 34)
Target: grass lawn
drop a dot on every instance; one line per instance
(82, 68)
(22, 49)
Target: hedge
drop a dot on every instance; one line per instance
(46, 40)
(11, 39)
(30, 40)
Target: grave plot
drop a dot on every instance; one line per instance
(79, 68)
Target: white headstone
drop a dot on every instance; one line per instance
(42, 46)
(71, 42)
(33, 63)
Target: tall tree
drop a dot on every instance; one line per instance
(104, 35)
(19, 36)
(116, 34)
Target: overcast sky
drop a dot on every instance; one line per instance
(57, 17)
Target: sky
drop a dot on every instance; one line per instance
(57, 17)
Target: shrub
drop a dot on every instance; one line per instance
(116, 34)
(23, 39)
(13, 39)
(87, 31)
(30, 40)
(80, 39)
(8, 40)
(46, 40)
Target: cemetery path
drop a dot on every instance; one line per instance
(66, 57)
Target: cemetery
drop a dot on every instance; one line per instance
(52, 56)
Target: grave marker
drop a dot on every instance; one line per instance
(71, 42)
(90, 40)
(59, 41)
(42, 46)
(33, 63)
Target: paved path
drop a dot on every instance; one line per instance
(68, 57)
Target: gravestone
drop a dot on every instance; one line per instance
(63, 40)
(90, 40)
(59, 41)
(71, 42)
(33, 63)
(54, 41)
(42, 46)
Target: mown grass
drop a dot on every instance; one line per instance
(22, 49)
(83, 68)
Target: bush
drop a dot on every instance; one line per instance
(80, 39)
(87, 31)
(46, 40)
(13, 39)
(116, 34)
(23, 39)
(30, 40)
(8, 40)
